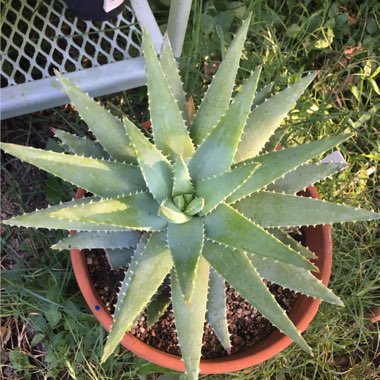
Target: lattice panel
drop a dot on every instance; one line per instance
(39, 36)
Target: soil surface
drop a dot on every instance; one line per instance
(246, 325)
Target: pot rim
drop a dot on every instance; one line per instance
(318, 239)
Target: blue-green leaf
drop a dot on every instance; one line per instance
(103, 178)
(284, 210)
(227, 226)
(169, 67)
(80, 145)
(239, 272)
(190, 318)
(217, 308)
(219, 147)
(107, 128)
(276, 164)
(169, 211)
(216, 189)
(145, 274)
(218, 96)
(185, 243)
(119, 257)
(303, 176)
(160, 302)
(266, 118)
(181, 182)
(297, 279)
(42, 219)
(155, 168)
(99, 239)
(136, 211)
(169, 130)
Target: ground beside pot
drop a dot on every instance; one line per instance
(318, 239)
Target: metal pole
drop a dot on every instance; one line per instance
(177, 23)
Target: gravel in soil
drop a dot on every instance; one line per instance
(246, 325)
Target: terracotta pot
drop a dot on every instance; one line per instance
(318, 239)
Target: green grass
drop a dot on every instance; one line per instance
(54, 334)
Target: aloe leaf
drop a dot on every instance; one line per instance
(219, 147)
(275, 139)
(172, 213)
(158, 305)
(145, 274)
(217, 308)
(80, 145)
(190, 318)
(303, 176)
(42, 219)
(266, 118)
(155, 168)
(218, 96)
(195, 206)
(292, 243)
(276, 164)
(119, 257)
(284, 210)
(169, 67)
(185, 243)
(136, 211)
(103, 178)
(181, 182)
(227, 226)
(169, 130)
(297, 279)
(99, 239)
(263, 94)
(239, 272)
(216, 189)
(108, 130)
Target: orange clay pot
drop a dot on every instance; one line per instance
(318, 239)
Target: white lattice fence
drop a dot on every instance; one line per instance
(40, 36)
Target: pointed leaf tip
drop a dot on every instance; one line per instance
(169, 129)
(266, 118)
(218, 96)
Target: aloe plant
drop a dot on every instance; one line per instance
(204, 203)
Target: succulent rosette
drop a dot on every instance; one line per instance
(203, 200)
